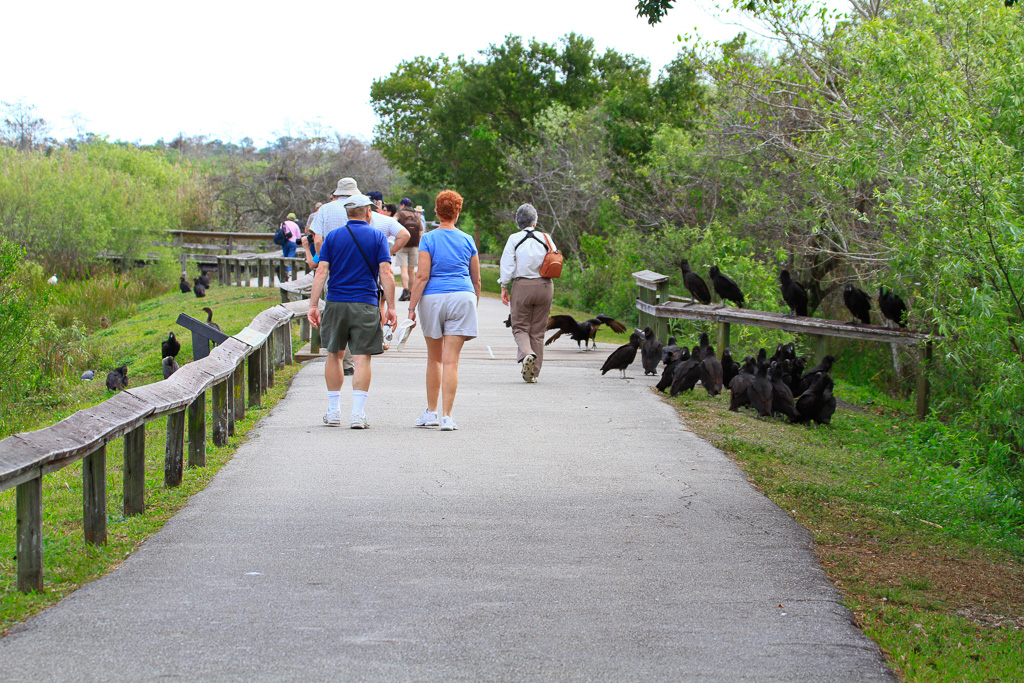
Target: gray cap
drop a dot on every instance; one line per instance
(355, 201)
(346, 187)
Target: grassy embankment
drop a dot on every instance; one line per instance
(68, 562)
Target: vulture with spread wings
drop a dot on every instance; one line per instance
(584, 332)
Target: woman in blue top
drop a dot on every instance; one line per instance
(446, 291)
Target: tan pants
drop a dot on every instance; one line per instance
(530, 301)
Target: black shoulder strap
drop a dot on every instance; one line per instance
(533, 234)
(374, 275)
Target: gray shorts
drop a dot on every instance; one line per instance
(448, 314)
(354, 325)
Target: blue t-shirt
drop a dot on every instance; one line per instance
(350, 279)
(450, 253)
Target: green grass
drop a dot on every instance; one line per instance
(921, 548)
(68, 562)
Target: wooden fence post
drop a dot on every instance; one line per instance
(135, 471)
(94, 496)
(820, 347)
(231, 403)
(267, 362)
(239, 386)
(286, 335)
(255, 395)
(197, 430)
(723, 338)
(304, 329)
(220, 413)
(239, 268)
(923, 388)
(175, 447)
(29, 504)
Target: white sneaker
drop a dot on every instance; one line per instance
(360, 422)
(448, 424)
(332, 418)
(427, 419)
(529, 364)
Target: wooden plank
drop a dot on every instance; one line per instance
(220, 414)
(780, 321)
(29, 503)
(17, 462)
(648, 279)
(251, 337)
(165, 396)
(174, 451)
(94, 496)
(134, 485)
(197, 430)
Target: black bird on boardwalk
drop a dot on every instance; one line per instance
(892, 306)
(198, 289)
(759, 393)
(650, 352)
(622, 357)
(667, 374)
(117, 379)
(725, 287)
(170, 346)
(782, 395)
(793, 293)
(203, 279)
(185, 287)
(859, 303)
(209, 318)
(695, 283)
(170, 366)
(585, 331)
(711, 376)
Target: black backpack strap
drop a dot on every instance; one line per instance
(533, 234)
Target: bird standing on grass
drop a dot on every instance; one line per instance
(725, 287)
(695, 283)
(622, 357)
(117, 379)
(203, 279)
(209, 318)
(170, 346)
(759, 392)
(169, 365)
(793, 293)
(183, 285)
(198, 289)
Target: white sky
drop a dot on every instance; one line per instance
(141, 71)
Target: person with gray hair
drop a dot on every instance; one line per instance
(531, 295)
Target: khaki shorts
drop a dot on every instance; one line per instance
(407, 256)
(354, 325)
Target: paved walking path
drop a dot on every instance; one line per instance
(571, 530)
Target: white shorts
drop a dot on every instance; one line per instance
(453, 313)
(406, 256)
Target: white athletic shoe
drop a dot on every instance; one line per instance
(360, 422)
(427, 419)
(529, 365)
(332, 418)
(448, 424)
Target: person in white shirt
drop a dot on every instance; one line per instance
(333, 215)
(531, 294)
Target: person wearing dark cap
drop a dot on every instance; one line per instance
(377, 197)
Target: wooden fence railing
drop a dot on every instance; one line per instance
(242, 269)
(238, 372)
(657, 307)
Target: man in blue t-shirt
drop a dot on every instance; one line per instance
(352, 259)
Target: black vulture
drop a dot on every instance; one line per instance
(650, 352)
(702, 343)
(203, 279)
(725, 287)
(822, 368)
(198, 289)
(667, 374)
(859, 303)
(793, 293)
(585, 331)
(170, 346)
(117, 379)
(622, 357)
(209, 318)
(782, 395)
(695, 283)
(810, 402)
(711, 374)
(185, 287)
(170, 366)
(828, 406)
(672, 351)
(730, 368)
(685, 375)
(892, 306)
(759, 393)
(740, 384)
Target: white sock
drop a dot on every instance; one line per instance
(358, 402)
(333, 399)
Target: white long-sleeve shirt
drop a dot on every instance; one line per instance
(526, 260)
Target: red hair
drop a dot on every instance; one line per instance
(448, 205)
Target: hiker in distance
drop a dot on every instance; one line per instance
(355, 265)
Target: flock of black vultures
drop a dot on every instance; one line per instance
(777, 385)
